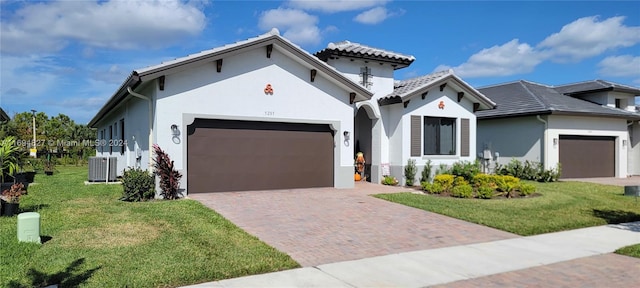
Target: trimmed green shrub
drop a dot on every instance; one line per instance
(526, 189)
(138, 185)
(459, 181)
(529, 170)
(485, 192)
(507, 184)
(432, 188)
(462, 191)
(410, 172)
(548, 175)
(426, 172)
(484, 180)
(389, 180)
(443, 169)
(466, 169)
(445, 180)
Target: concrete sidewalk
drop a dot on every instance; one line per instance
(450, 264)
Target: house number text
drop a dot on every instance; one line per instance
(269, 113)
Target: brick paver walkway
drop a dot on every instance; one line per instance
(327, 225)
(607, 270)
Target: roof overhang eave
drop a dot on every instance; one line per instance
(485, 103)
(513, 115)
(132, 81)
(307, 60)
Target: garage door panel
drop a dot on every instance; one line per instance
(238, 155)
(587, 156)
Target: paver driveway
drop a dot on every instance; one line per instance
(326, 225)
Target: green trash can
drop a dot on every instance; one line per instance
(29, 227)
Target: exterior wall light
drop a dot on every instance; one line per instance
(174, 130)
(624, 143)
(555, 141)
(346, 134)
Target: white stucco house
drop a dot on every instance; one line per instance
(591, 128)
(265, 114)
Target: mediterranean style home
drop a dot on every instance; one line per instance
(265, 114)
(591, 128)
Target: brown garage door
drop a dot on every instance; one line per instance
(587, 156)
(228, 155)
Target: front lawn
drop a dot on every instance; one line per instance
(633, 251)
(94, 240)
(562, 206)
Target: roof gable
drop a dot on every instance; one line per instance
(406, 89)
(271, 40)
(527, 98)
(360, 51)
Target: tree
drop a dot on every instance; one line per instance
(58, 134)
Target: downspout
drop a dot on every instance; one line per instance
(544, 145)
(150, 122)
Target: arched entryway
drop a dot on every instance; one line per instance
(364, 124)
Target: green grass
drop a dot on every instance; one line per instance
(562, 206)
(633, 251)
(94, 240)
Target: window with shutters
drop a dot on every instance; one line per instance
(439, 136)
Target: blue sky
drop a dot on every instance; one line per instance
(70, 56)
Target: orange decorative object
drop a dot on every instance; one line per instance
(357, 177)
(441, 105)
(268, 89)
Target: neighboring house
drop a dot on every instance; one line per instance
(265, 114)
(591, 128)
(4, 116)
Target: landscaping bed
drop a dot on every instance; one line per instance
(561, 206)
(92, 239)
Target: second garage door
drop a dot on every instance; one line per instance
(225, 155)
(587, 156)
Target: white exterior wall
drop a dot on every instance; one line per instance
(599, 97)
(383, 83)
(238, 93)
(512, 138)
(382, 74)
(400, 137)
(134, 111)
(634, 149)
(587, 126)
(609, 99)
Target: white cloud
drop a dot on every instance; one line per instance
(332, 6)
(25, 78)
(372, 16)
(510, 58)
(51, 26)
(587, 37)
(624, 65)
(580, 39)
(298, 26)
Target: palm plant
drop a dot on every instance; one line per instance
(8, 156)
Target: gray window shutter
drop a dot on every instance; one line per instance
(416, 136)
(464, 135)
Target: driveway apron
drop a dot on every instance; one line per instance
(326, 225)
